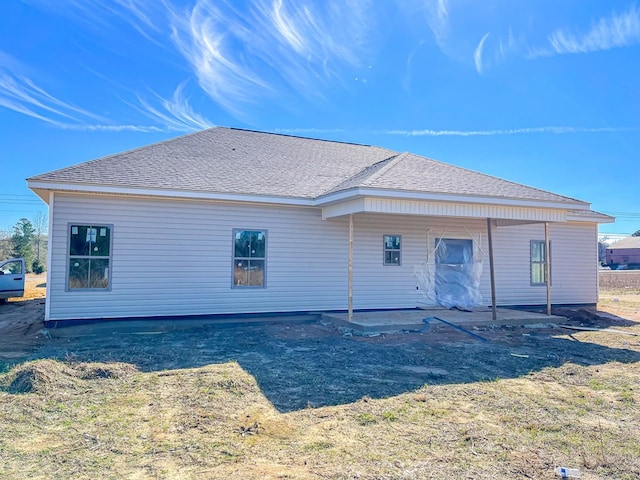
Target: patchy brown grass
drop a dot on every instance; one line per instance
(66, 419)
(628, 280)
(74, 420)
(620, 293)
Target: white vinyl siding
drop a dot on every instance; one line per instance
(173, 257)
(573, 264)
(377, 286)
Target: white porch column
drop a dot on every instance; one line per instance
(350, 274)
(547, 265)
(494, 313)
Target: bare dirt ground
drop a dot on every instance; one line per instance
(302, 364)
(305, 401)
(21, 320)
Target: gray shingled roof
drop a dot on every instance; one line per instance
(233, 161)
(411, 172)
(629, 242)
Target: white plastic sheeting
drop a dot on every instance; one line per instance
(450, 275)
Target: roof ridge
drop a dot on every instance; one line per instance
(391, 162)
(363, 172)
(304, 138)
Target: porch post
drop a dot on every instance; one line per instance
(494, 313)
(547, 266)
(350, 274)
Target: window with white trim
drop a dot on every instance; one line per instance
(89, 257)
(249, 258)
(539, 262)
(392, 245)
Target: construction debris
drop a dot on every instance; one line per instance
(606, 330)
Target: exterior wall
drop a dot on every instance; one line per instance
(574, 260)
(623, 256)
(175, 258)
(380, 286)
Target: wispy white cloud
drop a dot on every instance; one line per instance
(406, 81)
(438, 19)
(477, 54)
(273, 49)
(175, 113)
(22, 95)
(511, 131)
(98, 14)
(615, 31)
(88, 127)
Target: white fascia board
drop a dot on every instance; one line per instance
(41, 188)
(227, 197)
(402, 195)
(591, 217)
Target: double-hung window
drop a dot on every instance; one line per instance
(539, 262)
(249, 258)
(392, 245)
(89, 257)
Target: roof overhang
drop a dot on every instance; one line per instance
(42, 189)
(361, 200)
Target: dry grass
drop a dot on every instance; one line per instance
(620, 293)
(73, 420)
(628, 280)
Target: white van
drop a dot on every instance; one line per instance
(12, 275)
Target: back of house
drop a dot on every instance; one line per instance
(228, 221)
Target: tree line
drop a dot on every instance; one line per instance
(28, 240)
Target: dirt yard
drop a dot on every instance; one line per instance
(302, 364)
(22, 319)
(305, 400)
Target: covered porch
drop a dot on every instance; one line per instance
(468, 228)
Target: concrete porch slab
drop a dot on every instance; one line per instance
(394, 321)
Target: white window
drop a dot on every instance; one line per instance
(249, 258)
(89, 257)
(392, 245)
(539, 262)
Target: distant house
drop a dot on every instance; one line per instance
(624, 253)
(228, 221)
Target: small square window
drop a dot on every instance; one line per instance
(392, 247)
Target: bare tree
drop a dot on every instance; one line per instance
(40, 224)
(6, 246)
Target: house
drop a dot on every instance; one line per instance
(624, 253)
(229, 221)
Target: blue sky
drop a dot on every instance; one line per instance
(541, 92)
